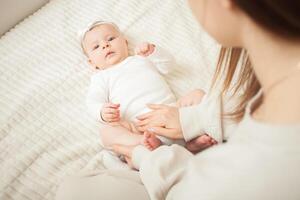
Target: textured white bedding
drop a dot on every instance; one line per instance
(45, 132)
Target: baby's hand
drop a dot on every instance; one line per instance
(110, 112)
(192, 98)
(144, 49)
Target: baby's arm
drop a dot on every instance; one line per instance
(161, 58)
(97, 101)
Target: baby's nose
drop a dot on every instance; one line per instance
(105, 45)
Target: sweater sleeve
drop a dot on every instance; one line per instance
(162, 60)
(172, 172)
(204, 118)
(96, 97)
(161, 168)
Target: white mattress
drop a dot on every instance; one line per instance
(45, 132)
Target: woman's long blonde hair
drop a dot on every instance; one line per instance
(281, 17)
(246, 84)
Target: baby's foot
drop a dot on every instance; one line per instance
(200, 143)
(150, 141)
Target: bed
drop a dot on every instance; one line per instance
(45, 131)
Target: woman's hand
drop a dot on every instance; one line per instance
(162, 120)
(192, 98)
(126, 151)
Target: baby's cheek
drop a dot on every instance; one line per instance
(99, 58)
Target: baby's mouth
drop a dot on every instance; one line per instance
(109, 53)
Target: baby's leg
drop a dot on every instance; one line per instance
(127, 125)
(111, 135)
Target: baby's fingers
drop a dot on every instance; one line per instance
(151, 48)
(111, 111)
(145, 48)
(112, 105)
(108, 117)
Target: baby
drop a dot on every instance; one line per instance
(122, 85)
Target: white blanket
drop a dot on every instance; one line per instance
(45, 132)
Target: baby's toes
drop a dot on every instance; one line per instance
(205, 139)
(215, 142)
(148, 146)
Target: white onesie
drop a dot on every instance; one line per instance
(134, 82)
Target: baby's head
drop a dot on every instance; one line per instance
(104, 45)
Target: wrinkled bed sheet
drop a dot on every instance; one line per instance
(45, 132)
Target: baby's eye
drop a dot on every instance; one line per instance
(96, 47)
(111, 38)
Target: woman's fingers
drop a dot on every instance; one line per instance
(141, 128)
(151, 113)
(156, 106)
(145, 116)
(143, 122)
(167, 132)
(151, 122)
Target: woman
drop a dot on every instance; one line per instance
(261, 159)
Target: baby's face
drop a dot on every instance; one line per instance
(105, 46)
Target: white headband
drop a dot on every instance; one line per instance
(82, 33)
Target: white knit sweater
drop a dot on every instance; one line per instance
(260, 161)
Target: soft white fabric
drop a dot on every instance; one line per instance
(134, 82)
(260, 161)
(45, 131)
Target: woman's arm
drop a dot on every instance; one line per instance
(159, 169)
(172, 172)
(187, 122)
(204, 118)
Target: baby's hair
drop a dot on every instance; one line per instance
(91, 26)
